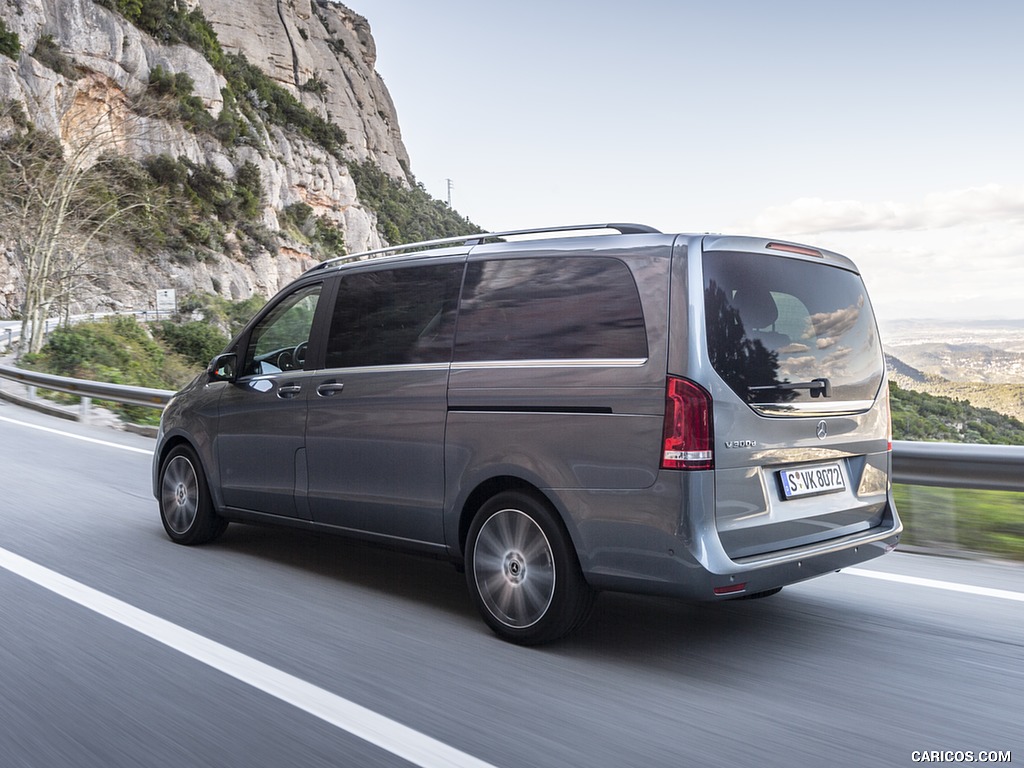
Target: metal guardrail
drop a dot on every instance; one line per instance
(118, 393)
(959, 465)
(948, 465)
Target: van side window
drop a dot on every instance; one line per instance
(550, 309)
(394, 316)
(279, 341)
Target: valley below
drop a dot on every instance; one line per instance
(981, 362)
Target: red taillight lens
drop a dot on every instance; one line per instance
(887, 410)
(687, 437)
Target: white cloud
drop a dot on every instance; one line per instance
(975, 205)
(953, 254)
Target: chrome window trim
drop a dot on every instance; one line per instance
(483, 364)
(384, 368)
(842, 408)
(470, 365)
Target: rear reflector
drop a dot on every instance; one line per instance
(731, 589)
(686, 440)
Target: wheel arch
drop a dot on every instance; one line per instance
(171, 442)
(498, 484)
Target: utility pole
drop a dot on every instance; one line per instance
(450, 185)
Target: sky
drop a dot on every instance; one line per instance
(892, 132)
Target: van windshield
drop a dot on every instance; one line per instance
(789, 335)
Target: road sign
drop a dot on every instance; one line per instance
(166, 300)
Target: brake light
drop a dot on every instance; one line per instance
(686, 442)
(887, 407)
(790, 248)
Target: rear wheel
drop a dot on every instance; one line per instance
(522, 571)
(186, 509)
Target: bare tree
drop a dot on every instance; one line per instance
(57, 207)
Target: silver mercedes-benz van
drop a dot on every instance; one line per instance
(699, 416)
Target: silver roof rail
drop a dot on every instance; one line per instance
(476, 239)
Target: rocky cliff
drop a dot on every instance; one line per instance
(298, 42)
(321, 52)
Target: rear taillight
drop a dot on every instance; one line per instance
(686, 442)
(887, 409)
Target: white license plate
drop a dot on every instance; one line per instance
(809, 481)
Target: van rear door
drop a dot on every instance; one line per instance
(801, 419)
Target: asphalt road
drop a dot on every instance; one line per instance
(279, 648)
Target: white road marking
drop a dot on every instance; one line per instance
(53, 431)
(949, 586)
(402, 741)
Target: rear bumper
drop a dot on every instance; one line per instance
(690, 562)
(777, 569)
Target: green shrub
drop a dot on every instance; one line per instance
(315, 85)
(296, 215)
(177, 88)
(227, 315)
(49, 54)
(255, 91)
(10, 44)
(118, 350)
(14, 110)
(196, 342)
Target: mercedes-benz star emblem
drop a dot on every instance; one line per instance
(822, 430)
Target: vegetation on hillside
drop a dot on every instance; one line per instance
(1006, 398)
(406, 215)
(228, 316)
(58, 203)
(58, 207)
(920, 416)
(206, 208)
(163, 355)
(66, 211)
(117, 350)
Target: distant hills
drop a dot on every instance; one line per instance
(979, 365)
(961, 362)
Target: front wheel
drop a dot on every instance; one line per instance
(522, 571)
(186, 509)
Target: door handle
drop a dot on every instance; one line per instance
(289, 390)
(330, 388)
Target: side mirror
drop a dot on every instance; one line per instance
(223, 367)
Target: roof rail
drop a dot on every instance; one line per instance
(476, 239)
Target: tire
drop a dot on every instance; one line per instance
(522, 571)
(186, 509)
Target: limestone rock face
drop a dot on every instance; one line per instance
(302, 42)
(320, 51)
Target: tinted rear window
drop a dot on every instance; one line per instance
(550, 309)
(773, 321)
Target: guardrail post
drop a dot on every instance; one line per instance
(84, 405)
(31, 392)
